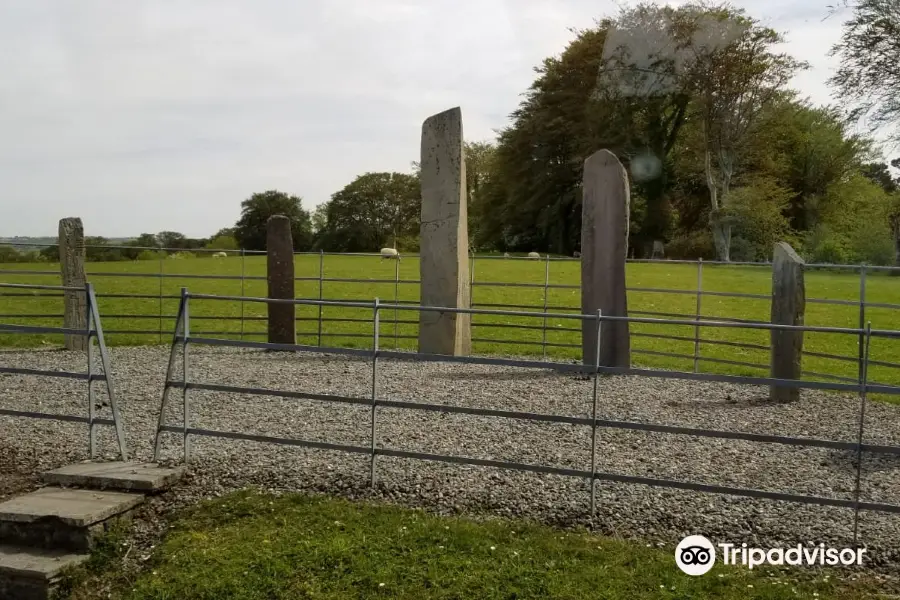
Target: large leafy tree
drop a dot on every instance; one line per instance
(373, 211)
(250, 230)
(736, 77)
(868, 80)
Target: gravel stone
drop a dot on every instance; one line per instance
(659, 515)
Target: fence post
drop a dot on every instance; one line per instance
(71, 263)
(160, 304)
(321, 281)
(92, 412)
(594, 418)
(243, 292)
(546, 288)
(697, 327)
(396, 299)
(185, 298)
(862, 314)
(863, 384)
(376, 323)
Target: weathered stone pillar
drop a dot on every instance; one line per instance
(788, 308)
(280, 272)
(443, 263)
(71, 264)
(604, 248)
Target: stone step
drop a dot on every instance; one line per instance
(128, 476)
(65, 519)
(32, 573)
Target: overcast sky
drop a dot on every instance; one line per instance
(150, 115)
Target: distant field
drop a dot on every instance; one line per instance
(123, 314)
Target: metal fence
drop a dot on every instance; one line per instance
(93, 331)
(481, 330)
(183, 338)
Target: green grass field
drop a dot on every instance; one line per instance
(251, 546)
(123, 314)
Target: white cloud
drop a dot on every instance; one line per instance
(151, 115)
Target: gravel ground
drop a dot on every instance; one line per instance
(655, 514)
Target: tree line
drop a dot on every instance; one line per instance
(724, 158)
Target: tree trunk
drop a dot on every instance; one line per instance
(722, 239)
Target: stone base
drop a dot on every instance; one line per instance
(65, 519)
(125, 476)
(32, 574)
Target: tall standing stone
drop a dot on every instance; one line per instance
(604, 248)
(443, 263)
(71, 264)
(788, 308)
(280, 274)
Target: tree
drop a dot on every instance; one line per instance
(480, 158)
(737, 77)
(868, 80)
(373, 211)
(250, 230)
(171, 239)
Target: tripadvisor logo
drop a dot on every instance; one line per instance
(696, 555)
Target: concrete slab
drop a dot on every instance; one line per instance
(36, 563)
(77, 508)
(128, 476)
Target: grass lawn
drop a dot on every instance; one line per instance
(122, 315)
(252, 546)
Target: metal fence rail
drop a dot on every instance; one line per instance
(93, 331)
(183, 338)
(482, 330)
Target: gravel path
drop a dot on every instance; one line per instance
(655, 514)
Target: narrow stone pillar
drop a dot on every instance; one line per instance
(280, 273)
(443, 262)
(788, 308)
(604, 248)
(71, 264)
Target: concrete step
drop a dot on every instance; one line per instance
(128, 476)
(65, 519)
(32, 573)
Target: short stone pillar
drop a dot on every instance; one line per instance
(443, 262)
(280, 274)
(788, 308)
(604, 248)
(71, 264)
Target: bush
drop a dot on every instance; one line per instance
(824, 246)
(743, 250)
(181, 255)
(691, 246)
(873, 246)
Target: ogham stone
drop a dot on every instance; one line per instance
(443, 262)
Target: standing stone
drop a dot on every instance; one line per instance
(443, 263)
(788, 308)
(71, 264)
(280, 272)
(604, 247)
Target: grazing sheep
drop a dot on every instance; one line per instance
(577, 254)
(506, 255)
(219, 255)
(389, 253)
(533, 255)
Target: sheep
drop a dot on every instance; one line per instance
(506, 255)
(389, 253)
(219, 255)
(577, 254)
(533, 255)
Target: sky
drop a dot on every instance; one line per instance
(152, 115)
